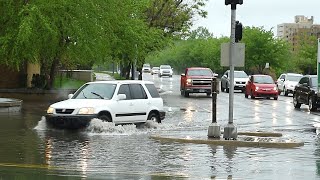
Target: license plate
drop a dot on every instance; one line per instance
(202, 90)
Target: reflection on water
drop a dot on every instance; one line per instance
(317, 155)
(189, 112)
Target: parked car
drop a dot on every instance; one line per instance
(146, 68)
(155, 70)
(287, 81)
(120, 102)
(196, 80)
(240, 80)
(165, 70)
(261, 86)
(306, 92)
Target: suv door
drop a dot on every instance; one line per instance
(123, 111)
(140, 101)
(280, 81)
(302, 90)
(224, 81)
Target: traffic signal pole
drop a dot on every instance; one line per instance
(230, 131)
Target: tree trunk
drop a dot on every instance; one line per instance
(140, 73)
(52, 73)
(127, 71)
(132, 72)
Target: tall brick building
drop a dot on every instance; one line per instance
(293, 32)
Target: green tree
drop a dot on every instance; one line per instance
(262, 47)
(200, 49)
(58, 33)
(306, 56)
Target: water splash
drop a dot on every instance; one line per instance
(98, 126)
(42, 125)
(317, 128)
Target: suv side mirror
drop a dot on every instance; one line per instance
(70, 96)
(121, 97)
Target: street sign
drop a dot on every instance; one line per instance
(238, 56)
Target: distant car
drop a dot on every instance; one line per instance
(240, 79)
(155, 70)
(146, 68)
(261, 86)
(287, 81)
(305, 92)
(165, 70)
(120, 102)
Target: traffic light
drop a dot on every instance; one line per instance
(238, 31)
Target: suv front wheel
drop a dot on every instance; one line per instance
(296, 103)
(154, 117)
(105, 118)
(312, 106)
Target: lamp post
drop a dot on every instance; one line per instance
(230, 131)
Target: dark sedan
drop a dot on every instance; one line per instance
(306, 92)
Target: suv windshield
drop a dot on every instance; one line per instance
(295, 78)
(199, 72)
(240, 74)
(95, 91)
(165, 67)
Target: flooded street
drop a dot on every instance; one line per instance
(31, 150)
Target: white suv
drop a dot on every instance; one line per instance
(165, 70)
(287, 81)
(240, 80)
(120, 102)
(146, 68)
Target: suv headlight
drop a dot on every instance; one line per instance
(87, 110)
(50, 110)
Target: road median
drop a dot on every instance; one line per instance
(245, 139)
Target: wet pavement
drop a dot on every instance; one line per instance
(31, 150)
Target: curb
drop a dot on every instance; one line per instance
(252, 139)
(261, 134)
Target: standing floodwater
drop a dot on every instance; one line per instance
(31, 150)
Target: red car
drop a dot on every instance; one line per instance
(261, 86)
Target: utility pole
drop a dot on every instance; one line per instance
(230, 131)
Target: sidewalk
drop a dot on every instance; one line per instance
(103, 77)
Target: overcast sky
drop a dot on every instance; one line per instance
(268, 13)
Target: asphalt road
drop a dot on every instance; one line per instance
(31, 150)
